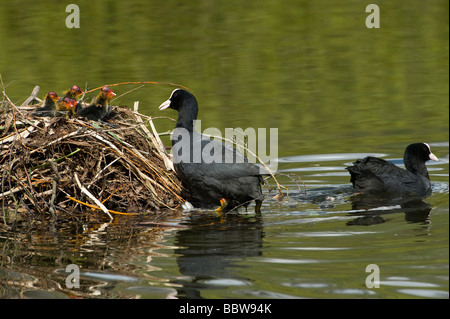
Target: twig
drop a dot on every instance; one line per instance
(27, 193)
(295, 180)
(6, 96)
(56, 160)
(140, 82)
(11, 191)
(92, 197)
(14, 109)
(57, 140)
(154, 138)
(96, 207)
(129, 91)
(144, 178)
(32, 96)
(20, 188)
(56, 179)
(99, 173)
(23, 134)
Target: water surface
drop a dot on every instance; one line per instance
(313, 244)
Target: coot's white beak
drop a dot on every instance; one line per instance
(165, 105)
(433, 157)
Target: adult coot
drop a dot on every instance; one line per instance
(372, 175)
(212, 172)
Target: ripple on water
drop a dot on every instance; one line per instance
(316, 248)
(287, 261)
(307, 285)
(407, 283)
(266, 294)
(415, 288)
(331, 233)
(226, 282)
(426, 293)
(326, 157)
(108, 277)
(352, 291)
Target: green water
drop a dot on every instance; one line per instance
(313, 70)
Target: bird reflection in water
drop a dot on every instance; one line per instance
(211, 249)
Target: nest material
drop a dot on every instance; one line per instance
(63, 165)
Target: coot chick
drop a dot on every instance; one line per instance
(49, 105)
(68, 105)
(73, 93)
(50, 100)
(225, 177)
(372, 175)
(99, 108)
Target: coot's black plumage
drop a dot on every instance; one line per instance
(224, 174)
(372, 175)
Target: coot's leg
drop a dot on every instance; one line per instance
(258, 206)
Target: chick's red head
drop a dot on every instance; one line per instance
(69, 104)
(107, 92)
(76, 89)
(52, 95)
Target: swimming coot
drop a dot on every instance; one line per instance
(212, 172)
(372, 175)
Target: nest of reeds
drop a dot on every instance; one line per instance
(58, 165)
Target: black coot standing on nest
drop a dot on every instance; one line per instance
(372, 175)
(222, 177)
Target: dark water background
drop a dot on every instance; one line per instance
(335, 90)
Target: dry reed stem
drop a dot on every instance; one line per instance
(154, 138)
(92, 197)
(98, 208)
(32, 96)
(138, 82)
